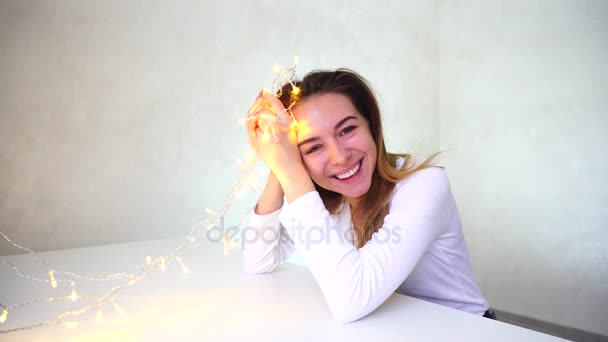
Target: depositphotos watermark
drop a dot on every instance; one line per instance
(299, 233)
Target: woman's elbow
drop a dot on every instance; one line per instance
(253, 266)
(345, 319)
(251, 269)
(347, 313)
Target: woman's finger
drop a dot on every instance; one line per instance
(275, 104)
(268, 121)
(260, 134)
(267, 115)
(259, 103)
(252, 124)
(261, 124)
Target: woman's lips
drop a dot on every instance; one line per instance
(357, 167)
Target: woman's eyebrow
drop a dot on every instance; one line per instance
(340, 123)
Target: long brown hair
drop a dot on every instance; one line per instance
(368, 215)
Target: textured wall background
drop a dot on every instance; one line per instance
(524, 108)
(118, 121)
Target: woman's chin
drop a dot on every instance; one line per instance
(354, 194)
(352, 191)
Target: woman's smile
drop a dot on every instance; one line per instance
(349, 175)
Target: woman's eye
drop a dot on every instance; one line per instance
(313, 149)
(348, 130)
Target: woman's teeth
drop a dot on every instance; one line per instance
(349, 173)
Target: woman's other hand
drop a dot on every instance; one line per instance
(271, 133)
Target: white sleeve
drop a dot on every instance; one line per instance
(265, 243)
(354, 281)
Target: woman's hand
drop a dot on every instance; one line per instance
(272, 134)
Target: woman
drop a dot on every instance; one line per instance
(367, 222)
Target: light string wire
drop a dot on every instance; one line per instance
(139, 272)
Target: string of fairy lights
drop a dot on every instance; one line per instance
(57, 276)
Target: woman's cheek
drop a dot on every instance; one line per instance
(312, 164)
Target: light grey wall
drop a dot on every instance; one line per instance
(524, 108)
(119, 119)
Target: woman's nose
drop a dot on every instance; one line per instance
(339, 154)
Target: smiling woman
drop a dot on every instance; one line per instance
(367, 222)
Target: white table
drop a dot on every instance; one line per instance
(218, 302)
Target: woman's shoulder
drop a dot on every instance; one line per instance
(429, 174)
(422, 192)
(432, 180)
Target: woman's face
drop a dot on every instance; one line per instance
(337, 147)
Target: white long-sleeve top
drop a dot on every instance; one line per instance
(419, 251)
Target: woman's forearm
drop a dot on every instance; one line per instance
(272, 197)
(295, 182)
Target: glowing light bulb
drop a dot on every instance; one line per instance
(239, 192)
(293, 125)
(210, 212)
(118, 309)
(73, 296)
(265, 137)
(277, 68)
(70, 325)
(99, 317)
(295, 90)
(148, 260)
(52, 278)
(185, 269)
(132, 279)
(192, 239)
(228, 244)
(163, 264)
(3, 316)
(296, 60)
